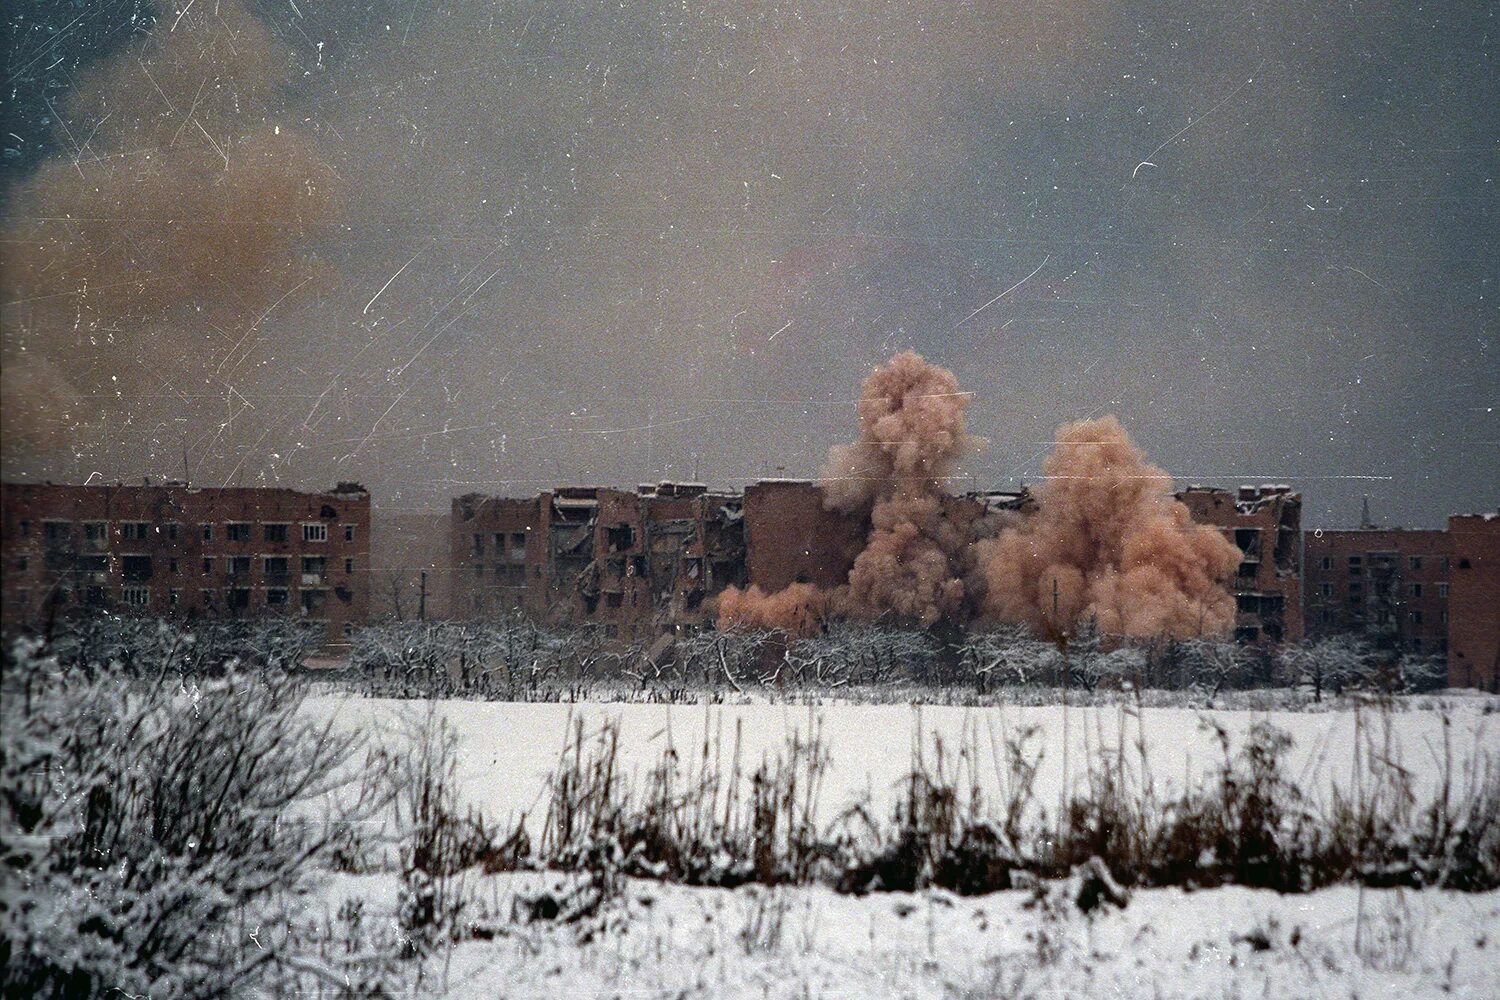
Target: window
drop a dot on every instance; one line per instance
(208, 565)
(348, 566)
(22, 564)
(237, 531)
(478, 544)
(57, 531)
(237, 598)
(1443, 616)
(174, 598)
(348, 629)
(135, 531)
(276, 532)
(314, 600)
(277, 597)
(1463, 564)
(316, 565)
(1414, 562)
(1325, 590)
(1414, 589)
(1415, 617)
(315, 532)
(23, 597)
(238, 566)
(207, 596)
(93, 564)
(25, 529)
(479, 571)
(1326, 562)
(518, 546)
(170, 530)
(277, 566)
(1443, 590)
(171, 565)
(208, 532)
(95, 531)
(135, 567)
(348, 532)
(135, 597)
(614, 599)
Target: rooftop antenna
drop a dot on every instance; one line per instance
(1364, 514)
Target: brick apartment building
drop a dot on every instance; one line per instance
(632, 561)
(176, 550)
(1265, 522)
(1474, 602)
(1390, 585)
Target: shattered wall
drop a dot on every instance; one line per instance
(1265, 524)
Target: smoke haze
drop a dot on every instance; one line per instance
(178, 221)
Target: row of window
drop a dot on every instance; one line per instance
(1328, 616)
(234, 597)
(1356, 592)
(234, 531)
(1356, 564)
(142, 567)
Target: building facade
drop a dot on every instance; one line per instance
(1474, 602)
(175, 550)
(1265, 523)
(634, 562)
(1388, 585)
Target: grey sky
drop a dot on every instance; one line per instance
(579, 243)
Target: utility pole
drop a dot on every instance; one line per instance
(422, 600)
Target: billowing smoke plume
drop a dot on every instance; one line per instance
(1108, 542)
(911, 436)
(174, 223)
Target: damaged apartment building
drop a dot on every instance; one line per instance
(634, 562)
(1265, 524)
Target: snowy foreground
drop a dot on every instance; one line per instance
(676, 941)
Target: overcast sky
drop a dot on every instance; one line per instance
(448, 246)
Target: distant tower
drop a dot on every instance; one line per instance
(1364, 514)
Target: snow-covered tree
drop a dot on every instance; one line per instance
(154, 836)
(1329, 663)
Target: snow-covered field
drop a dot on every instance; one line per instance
(662, 940)
(507, 750)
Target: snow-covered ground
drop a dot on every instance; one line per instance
(507, 750)
(661, 940)
(673, 941)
